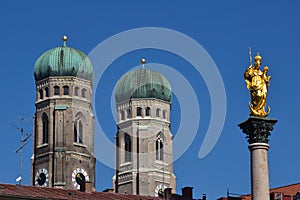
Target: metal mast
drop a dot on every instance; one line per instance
(23, 141)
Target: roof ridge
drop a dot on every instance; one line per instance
(293, 184)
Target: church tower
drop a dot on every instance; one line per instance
(144, 152)
(63, 121)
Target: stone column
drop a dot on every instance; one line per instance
(258, 130)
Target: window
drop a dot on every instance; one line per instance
(76, 91)
(148, 113)
(127, 141)
(45, 126)
(66, 90)
(47, 92)
(128, 113)
(41, 94)
(122, 115)
(139, 111)
(78, 130)
(164, 114)
(157, 112)
(159, 148)
(278, 196)
(56, 90)
(83, 93)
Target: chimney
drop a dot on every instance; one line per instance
(88, 187)
(187, 192)
(109, 190)
(204, 197)
(168, 193)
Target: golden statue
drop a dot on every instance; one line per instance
(257, 82)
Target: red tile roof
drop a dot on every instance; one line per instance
(8, 191)
(286, 190)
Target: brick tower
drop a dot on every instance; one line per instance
(64, 122)
(144, 152)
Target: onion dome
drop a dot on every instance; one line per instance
(63, 61)
(143, 83)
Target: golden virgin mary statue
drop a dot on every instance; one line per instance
(257, 83)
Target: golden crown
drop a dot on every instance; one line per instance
(257, 57)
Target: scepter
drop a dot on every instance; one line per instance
(250, 56)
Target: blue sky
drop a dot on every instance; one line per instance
(224, 28)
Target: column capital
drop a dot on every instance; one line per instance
(257, 129)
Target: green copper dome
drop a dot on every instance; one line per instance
(63, 61)
(143, 83)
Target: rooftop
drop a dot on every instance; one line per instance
(8, 191)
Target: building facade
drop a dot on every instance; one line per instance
(63, 121)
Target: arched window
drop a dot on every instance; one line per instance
(122, 115)
(76, 91)
(157, 112)
(148, 111)
(139, 111)
(83, 93)
(41, 94)
(127, 141)
(159, 147)
(128, 113)
(47, 92)
(66, 90)
(45, 126)
(78, 130)
(56, 90)
(164, 114)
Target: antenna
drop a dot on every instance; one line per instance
(230, 193)
(23, 141)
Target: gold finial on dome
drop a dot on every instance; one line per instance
(64, 39)
(257, 57)
(143, 61)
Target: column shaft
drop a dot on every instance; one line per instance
(259, 171)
